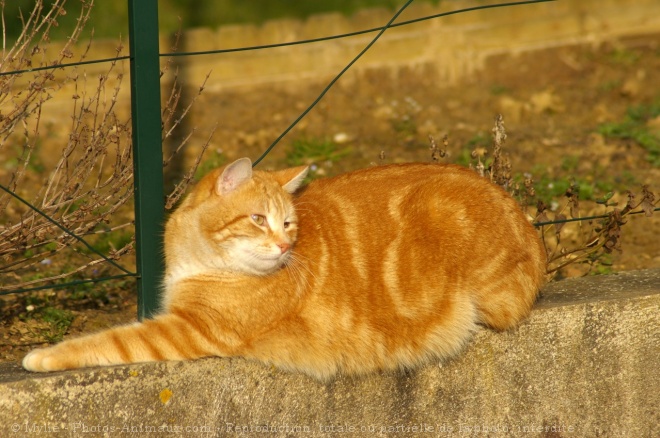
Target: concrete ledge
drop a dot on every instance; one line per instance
(585, 364)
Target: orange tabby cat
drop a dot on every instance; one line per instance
(384, 268)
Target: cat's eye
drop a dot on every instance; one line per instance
(258, 219)
(286, 225)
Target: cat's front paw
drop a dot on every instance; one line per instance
(40, 360)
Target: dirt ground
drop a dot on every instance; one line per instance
(552, 101)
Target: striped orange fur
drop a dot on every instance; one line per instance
(383, 268)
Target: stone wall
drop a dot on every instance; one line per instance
(455, 46)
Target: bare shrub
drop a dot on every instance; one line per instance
(88, 190)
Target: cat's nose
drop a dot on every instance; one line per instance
(284, 247)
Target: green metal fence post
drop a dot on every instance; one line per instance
(147, 151)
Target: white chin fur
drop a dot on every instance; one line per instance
(265, 265)
(258, 262)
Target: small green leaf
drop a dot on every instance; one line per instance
(605, 198)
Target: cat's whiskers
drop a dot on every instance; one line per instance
(296, 269)
(297, 277)
(303, 262)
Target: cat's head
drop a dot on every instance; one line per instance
(236, 219)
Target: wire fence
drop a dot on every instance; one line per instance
(147, 128)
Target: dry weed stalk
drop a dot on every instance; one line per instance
(92, 181)
(436, 151)
(19, 103)
(600, 236)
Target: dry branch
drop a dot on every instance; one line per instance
(88, 191)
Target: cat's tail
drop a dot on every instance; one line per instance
(167, 337)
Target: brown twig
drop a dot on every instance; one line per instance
(87, 190)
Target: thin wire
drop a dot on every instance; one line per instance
(71, 64)
(67, 231)
(351, 34)
(332, 82)
(586, 218)
(70, 283)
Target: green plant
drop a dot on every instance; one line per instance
(315, 152)
(549, 187)
(497, 89)
(217, 159)
(569, 163)
(404, 118)
(478, 144)
(59, 321)
(404, 125)
(601, 264)
(479, 140)
(85, 293)
(610, 85)
(634, 126)
(622, 56)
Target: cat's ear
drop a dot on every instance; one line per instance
(291, 179)
(233, 176)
